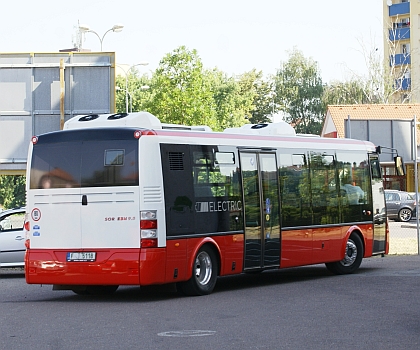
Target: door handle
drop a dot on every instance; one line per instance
(84, 200)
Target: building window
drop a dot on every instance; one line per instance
(405, 48)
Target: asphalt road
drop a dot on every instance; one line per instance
(299, 308)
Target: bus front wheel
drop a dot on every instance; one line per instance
(204, 273)
(352, 257)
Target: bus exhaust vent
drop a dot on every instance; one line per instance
(117, 116)
(143, 120)
(176, 161)
(88, 118)
(273, 129)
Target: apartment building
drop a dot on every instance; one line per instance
(401, 19)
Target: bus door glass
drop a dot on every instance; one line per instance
(261, 202)
(378, 199)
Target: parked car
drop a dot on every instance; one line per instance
(400, 205)
(12, 238)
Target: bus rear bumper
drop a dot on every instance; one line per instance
(111, 267)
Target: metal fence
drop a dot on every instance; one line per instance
(403, 237)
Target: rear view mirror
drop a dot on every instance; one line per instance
(399, 166)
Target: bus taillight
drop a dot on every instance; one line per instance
(148, 229)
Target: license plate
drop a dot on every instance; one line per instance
(81, 256)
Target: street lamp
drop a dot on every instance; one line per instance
(126, 71)
(127, 93)
(116, 28)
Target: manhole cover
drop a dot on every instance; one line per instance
(193, 333)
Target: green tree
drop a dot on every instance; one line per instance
(264, 100)
(233, 98)
(298, 87)
(345, 93)
(138, 95)
(180, 94)
(12, 191)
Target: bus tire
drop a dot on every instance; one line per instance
(95, 290)
(204, 273)
(352, 258)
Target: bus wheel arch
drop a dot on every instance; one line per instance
(203, 271)
(353, 255)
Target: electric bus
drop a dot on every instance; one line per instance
(123, 199)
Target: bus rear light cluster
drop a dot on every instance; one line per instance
(140, 133)
(148, 229)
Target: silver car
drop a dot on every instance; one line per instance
(12, 238)
(400, 205)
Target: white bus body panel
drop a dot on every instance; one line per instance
(151, 183)
(109, 220)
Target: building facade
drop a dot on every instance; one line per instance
(401, 20)
(390, 126)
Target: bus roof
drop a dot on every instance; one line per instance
(280, 131)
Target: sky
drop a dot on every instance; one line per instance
(234, 36)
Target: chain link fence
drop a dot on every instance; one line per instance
(403, 237)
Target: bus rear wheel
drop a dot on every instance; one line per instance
(204, 273)
(352, 257)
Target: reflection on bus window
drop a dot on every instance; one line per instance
(294, 182)
(354, 180)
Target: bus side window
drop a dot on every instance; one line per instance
(295, 208)
(216, 190)
(324, 196)
(354, 180)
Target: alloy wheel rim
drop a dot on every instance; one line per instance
(203, 268)
(351, 254)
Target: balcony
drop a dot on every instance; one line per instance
(403, 84)
(399, 9)
(399, 34)
(399, 59)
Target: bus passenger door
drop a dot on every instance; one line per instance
(261, 202)
(378, 201)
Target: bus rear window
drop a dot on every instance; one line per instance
(96, 163)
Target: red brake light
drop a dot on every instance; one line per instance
(149, 243)
(148, 224)
(139, 133)
(34, 139)
(148, 132)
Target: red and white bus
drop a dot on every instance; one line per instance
(123, 199)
